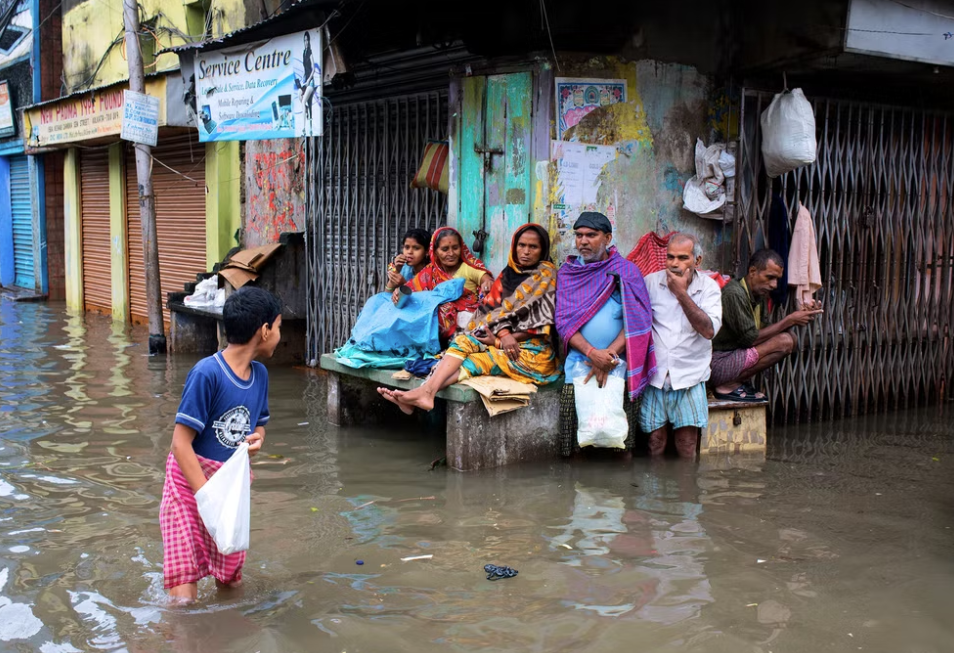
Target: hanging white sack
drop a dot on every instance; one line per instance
(601, 421)
(788, 133)
(225, 502)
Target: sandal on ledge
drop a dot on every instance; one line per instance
(739, 394)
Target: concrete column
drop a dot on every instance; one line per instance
(72, 231)
(223, 207)
(118, 238)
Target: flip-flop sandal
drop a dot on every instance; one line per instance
(750, 390)
(739, 394)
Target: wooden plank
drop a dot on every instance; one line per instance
(471, 180)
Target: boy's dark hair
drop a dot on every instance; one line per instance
(246, 310)
(765, 256)
(422, 236)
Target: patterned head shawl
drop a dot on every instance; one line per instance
(521, 299)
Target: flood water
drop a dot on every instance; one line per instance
(840, 541)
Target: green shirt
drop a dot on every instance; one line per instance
(742, 317)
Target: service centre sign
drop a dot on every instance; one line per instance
(271, 89)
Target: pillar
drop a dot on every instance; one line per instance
(223, 208)
(72, 233)
(118, 248)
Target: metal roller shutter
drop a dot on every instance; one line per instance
(94, 189)
(22, 209)
(180, 219)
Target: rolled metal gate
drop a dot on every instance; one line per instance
(22, 211)
(95, 228)
(360, 203)
(880, 193)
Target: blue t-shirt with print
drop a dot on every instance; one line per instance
(221, 407)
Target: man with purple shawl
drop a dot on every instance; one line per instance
(602, 308)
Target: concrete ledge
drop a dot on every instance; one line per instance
(475, 440)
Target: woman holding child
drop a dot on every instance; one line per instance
(451, 259)
(510, 334)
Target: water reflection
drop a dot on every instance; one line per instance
(732, 555)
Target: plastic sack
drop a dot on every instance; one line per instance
(599, 411)
(788, 133)
(705, 192)
(225, 502)
(410, 331)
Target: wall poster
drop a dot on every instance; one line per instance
(576, 97)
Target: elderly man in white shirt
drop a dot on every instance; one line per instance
(687, 313)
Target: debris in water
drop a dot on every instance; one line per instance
(759, 561)
(359, 562)
(363, 505)
(566, 546)
(752, 605)
(424, 557)
(275, 456)
(496, 572)
(313, 509)
(302, 423)
(936, 459)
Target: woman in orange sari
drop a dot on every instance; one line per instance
(451, 259)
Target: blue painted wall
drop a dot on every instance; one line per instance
(7, 270)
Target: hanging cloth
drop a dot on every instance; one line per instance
(803, 269)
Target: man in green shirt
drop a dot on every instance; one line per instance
(747, 343)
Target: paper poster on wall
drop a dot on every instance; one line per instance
(7, 126)
(576, 97)
(269, 90)
(579, 167)
(140, 118)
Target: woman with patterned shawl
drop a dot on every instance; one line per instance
(451, 259)
(511, 333)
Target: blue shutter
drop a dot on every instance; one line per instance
(22, 210)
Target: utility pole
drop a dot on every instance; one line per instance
(147, 202)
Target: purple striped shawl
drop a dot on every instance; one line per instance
(581, 292)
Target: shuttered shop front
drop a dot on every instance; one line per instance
(22, 210)
(180, 219)
(94, 212)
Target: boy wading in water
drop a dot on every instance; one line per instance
(224, 402)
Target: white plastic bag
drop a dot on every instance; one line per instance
(788, 133)
(599, 411)
(225, 502)
(705, 192)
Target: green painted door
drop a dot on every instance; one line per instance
(494, 182)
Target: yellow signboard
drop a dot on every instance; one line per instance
(83, 117)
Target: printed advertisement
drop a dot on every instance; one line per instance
(577, 97)
(269, 90)
(7, 126)
(83, 117)
(140, 118)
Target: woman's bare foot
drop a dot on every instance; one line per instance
(419, 397)
(389, 394)
(219, 585)
(183, 594)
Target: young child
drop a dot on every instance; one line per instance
(411, 260)
(224, 402)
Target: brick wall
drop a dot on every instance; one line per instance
(51, 49)
(55, 263)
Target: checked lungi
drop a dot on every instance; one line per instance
(190, 553)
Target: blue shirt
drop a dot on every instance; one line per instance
(602, 328)
(221, 407)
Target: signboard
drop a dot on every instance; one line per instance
(577, 97)
(7, 126)
(915, 30)
(91, 115)
(140, 118)
(271, 89)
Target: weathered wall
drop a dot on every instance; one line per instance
(655, 131)
(93, 30)
(20, 79)
(275, 192)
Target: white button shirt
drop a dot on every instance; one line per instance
(681, 353)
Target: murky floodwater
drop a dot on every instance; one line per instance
(841, 541)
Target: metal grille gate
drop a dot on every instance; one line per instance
(880, 193)
(360, 203)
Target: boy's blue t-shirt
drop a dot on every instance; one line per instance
(221, 407)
